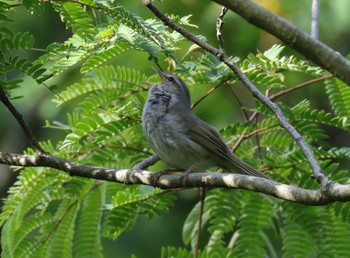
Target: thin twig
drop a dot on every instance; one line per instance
(217, 86)
(219, 23)
(244, 112)
(318, 174)
(240, 140)
(200, 219)
(299, 86)
(245, 136)
(315, 9)
(208, 93)
(19, 118)
(257, 138)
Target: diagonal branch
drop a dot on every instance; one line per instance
(335, 192)
(208, 93)
(245, 136)
(299, 86)
(147, 162)
(317, 172)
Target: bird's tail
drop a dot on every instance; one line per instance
(244, 168)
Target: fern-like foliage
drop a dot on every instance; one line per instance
(318, 239)
(74, 16)
(10, 60)
(128, 204)
(339, 94)
(238, 216)
(50, 214)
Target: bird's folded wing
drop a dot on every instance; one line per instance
(206, 136)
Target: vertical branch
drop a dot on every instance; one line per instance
(4, 99)
(257, 137)
(315, 9)
(202, 198)
(219, 23)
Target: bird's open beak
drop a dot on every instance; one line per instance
(161, 73)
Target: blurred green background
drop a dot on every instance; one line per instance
(146, 237)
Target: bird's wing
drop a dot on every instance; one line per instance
(206, 136)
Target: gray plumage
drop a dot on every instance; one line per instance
(179, 137)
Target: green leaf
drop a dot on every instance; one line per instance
(168, 252)
(87, 240)
(76, 17)
(105, 55)
(339, 97)
(191, 224)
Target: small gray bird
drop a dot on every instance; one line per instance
(179, 137)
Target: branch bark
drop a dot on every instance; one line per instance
(335, 192)
(294, 37)
(315, 9)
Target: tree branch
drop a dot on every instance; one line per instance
(245, 136)
(311, 48)
(317, 172)
(219, 24)
(147, 162)
(301, 85)
(208, 93)
(314, 18)
(335, 192)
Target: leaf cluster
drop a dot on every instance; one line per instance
(12, 59)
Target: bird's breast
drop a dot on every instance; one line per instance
(168, 137)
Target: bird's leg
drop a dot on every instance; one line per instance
(191, 169)
(155, 177)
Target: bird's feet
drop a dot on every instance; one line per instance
(156, 176)
(192, 169)
(185, 175)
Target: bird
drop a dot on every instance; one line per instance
(180, 138)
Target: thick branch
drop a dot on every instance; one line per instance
(335, 192)
(317, 172)
(311, 48)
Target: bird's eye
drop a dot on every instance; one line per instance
(171, 79)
